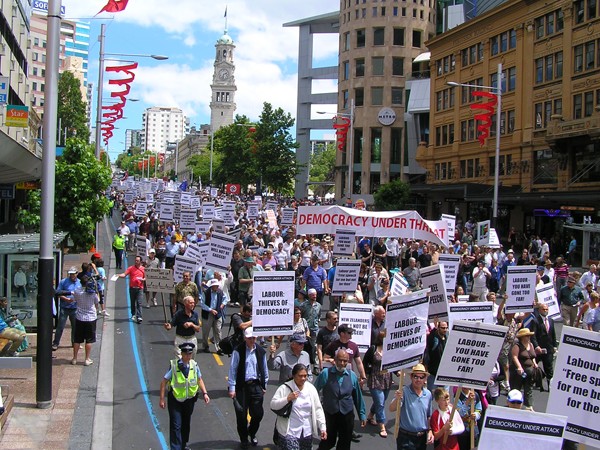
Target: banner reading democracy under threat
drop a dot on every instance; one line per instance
(273, 303)
(401, 224)
(505, 428)
(406, 325)
(575, 388)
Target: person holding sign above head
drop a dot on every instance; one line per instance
(414, 401)
(523, 365)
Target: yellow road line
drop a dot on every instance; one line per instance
(218, 359)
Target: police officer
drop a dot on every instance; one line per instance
(184, 383)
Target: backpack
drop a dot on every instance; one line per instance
(228, 344)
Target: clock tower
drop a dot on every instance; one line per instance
(222, 105)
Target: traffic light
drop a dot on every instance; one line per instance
(129, 152)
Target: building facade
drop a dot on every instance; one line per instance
(162, 126)
(550, 115)
(222, 104)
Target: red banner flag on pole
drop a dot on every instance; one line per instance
(114, 6)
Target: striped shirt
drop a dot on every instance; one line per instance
(86, 306)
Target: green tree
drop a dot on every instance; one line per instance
(71, 114)
(200, 164)
(392, 196)
(79, 194)
(322, 168)
(276, 150)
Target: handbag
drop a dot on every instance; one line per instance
(287, 409)
(228, 344)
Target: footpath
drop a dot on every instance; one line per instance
(69, 422)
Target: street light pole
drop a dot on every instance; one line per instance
(498, 91)
(211, 158)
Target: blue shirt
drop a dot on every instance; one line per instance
(314, 278)
(66, 284)
(213, 301)
(251, 367)
(172, 249)
(416, 410)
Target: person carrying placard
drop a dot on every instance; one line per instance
(470, 416)
(414, 401)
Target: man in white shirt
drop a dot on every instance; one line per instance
(393, 250)
(591, 276)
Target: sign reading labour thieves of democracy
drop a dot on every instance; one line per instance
(345, 278)
(358, 316)
(344, 242)
(400, 224)
(516, 428)
(520, 288)
(576, 385)
(273, 303)
(406, 325)
(160, 280)
(432, 277)
(221, 249)
(470, 354)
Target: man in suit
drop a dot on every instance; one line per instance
(544, 340)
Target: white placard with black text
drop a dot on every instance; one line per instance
(345, 278)
(520, 288)
(472, 312)
(359, 317)
(273, 303)
(546, 294)
(432, 278)
(344, 242)
(221, 250)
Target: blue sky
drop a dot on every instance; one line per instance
(186, 31)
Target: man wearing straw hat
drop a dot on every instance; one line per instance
(413, 429)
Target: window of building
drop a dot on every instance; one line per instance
(545, 167)
(472, 54)
(444, 135)
(398, 36)
(378, 36)
(383, 10)
(466, 93)
(549, 24)
(346, 70)
(360, 38)
(588, 104)
(397, 66)
(577, 106)
(578, 59)
(345, 99)
(360, 67)
(376, 145)
(579, 10)
(346, 41)
(590, 55)
(591, 9)
(414, 13)
(396, 146)
(505, 167)
(398, 96)
(417, 38)
(377, 95)
(377, 65)
(359, 97)
(374, 13)
(36, 42)
(395, 11)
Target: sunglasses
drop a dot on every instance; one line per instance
(419, 377)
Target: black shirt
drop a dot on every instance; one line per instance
(180, 318)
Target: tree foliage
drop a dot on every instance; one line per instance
(392, 196)
(249, 153)
(79, 194)
(71, 114)
(322, 168)
(200, 164)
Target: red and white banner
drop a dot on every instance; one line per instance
(233, 189)
(400, 224)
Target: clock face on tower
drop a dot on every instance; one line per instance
(223, 74)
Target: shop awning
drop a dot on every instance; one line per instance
(17, 163)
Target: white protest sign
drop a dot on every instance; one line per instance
(193, 251)
(547, 295)
(228, 213)
(187, 220)
(470, 354)
(287, 216)
(195, 203)
(432, 277)
(520, 288)
(160, 280)
(141, 209)
(494, 239)
(221, 250)
(575, 388)
(345, 278)
(406, 325)
(218, 225)
(252, 210)
(184, 264)
(185, 198)
(344, 242)
(483, 232)
(273, 303)
(472, 312)
(214, 192)
(141, 248)
(128, 197)
(177, 212)
(166, 212)
(451, 221)
(203, 226)
(505, 428)
(358, 317)
(272, 219)
(149, 197)
(450, 263)
(204, 247)
(208, 210)
(399, 285)
(272, 205)
(462, 298)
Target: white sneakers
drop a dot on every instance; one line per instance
(88, 362)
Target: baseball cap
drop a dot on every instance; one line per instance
(97, 256)
(249, 332)
(151, 251)
(515, 396)
(300, 338)
(72, 269)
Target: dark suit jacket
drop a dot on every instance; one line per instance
(543, 339)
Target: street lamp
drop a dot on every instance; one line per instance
(349, 147)
(498, 91)
(102, 56)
